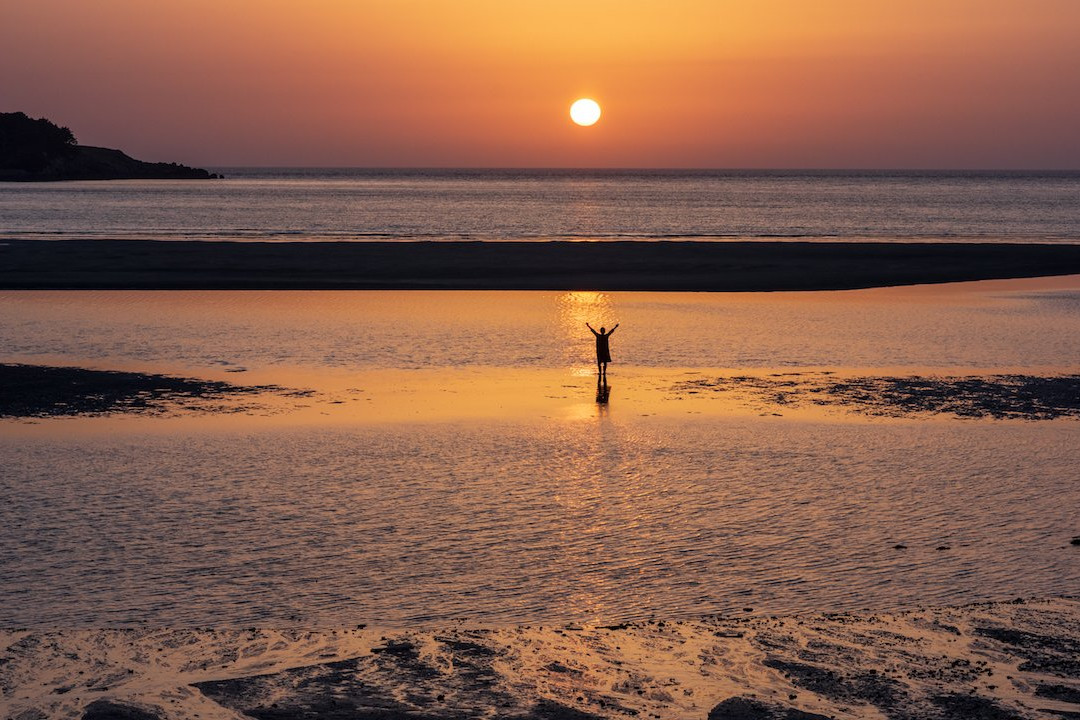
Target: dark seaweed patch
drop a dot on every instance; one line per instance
(39, 391)
(1062, 693)
(109, 710)
(1042, 653)
(871, 687)
(1027, 397)
(744, 708)
(972, 707)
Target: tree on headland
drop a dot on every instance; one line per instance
(32, 144)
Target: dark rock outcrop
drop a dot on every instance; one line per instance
(95, 163)
(744, 708)
(109, 710)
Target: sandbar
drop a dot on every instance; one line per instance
(554, 265)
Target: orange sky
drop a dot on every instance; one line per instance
(683, 83)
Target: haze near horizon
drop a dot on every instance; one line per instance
(481, 83)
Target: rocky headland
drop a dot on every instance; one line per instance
(38, 150)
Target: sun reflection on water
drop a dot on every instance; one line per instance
(574, 310)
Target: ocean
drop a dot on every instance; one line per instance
(297, 204)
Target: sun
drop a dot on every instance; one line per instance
(585, 112)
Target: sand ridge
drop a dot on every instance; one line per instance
(668, 265)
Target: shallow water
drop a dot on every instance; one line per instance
(1034, 323)
(590, 521)
(353, 204)
(456, 464)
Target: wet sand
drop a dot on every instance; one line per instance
(616, 265)
(43, 391)
(1001, 661)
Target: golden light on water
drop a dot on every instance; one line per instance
(585, 112)
(574, 309)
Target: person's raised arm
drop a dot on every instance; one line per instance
(612, 330)
(591, 328)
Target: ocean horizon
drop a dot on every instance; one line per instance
(362, 204)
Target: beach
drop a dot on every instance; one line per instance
(557, 265)
(539, 361)
(1000, 661)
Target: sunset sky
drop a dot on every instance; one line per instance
(682, 83)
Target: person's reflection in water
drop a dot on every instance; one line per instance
(603, 391)
(603, 348)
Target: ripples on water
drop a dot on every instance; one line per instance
(343, 204)
(601, 516)
(590, 521)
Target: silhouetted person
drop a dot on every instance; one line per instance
(603, 349)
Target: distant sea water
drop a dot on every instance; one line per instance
(308, 204)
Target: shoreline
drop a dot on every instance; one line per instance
(1005, 660)
(669, 266)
